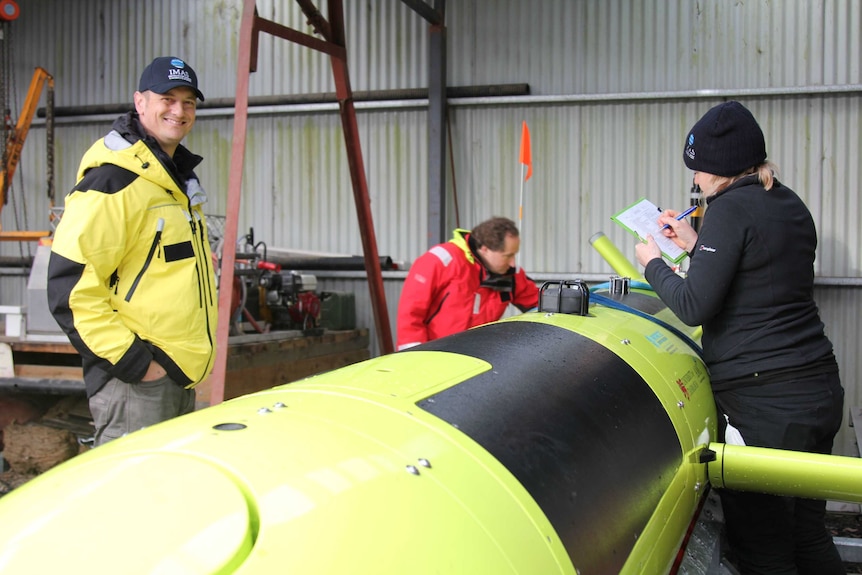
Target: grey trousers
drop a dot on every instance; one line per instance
(120, 408)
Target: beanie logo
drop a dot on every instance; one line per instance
(689, 149)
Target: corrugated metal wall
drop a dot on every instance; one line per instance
(615, 84)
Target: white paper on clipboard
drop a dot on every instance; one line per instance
(640, 218)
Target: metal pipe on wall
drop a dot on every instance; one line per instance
(396, 95)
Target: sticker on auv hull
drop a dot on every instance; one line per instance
(662, 341)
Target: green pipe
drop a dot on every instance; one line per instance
(788, 473)
(614, 256)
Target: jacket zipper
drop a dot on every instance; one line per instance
(200, 254)
(202, 241)
(160, 226)
(436, 311)
(190, 219)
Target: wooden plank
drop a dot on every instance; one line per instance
(245, 381)
(39, 346)
(261, 361)
(238, 340)
(49, 371)
(292, 339)
(270, 353)
(255, 361)
(43, 347)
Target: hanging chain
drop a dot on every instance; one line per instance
(49, 139)
(10, 101)
(4, 90)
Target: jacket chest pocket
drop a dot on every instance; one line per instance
(157, 240)
(167, 244)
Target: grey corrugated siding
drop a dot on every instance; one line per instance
(839, 310)
(614, 84)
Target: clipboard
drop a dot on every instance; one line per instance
(640, 220)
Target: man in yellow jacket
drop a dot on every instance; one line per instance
(130, 279)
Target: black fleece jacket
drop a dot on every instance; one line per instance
(750, 285)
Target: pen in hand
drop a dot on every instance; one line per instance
(682, 216)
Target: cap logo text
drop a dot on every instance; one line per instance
(181, 75)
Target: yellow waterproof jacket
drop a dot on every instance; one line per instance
(130, 277)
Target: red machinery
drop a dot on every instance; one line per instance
(269, 298)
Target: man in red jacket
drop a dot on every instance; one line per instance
(468, 281)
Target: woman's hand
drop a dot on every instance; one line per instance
(679, 231)
(648, 251)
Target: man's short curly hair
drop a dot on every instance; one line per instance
(492, 233)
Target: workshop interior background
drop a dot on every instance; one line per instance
(607, 88)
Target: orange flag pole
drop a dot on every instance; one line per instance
(526, 159)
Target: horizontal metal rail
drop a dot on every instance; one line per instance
(502, 101)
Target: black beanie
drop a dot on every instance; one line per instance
(726, 141)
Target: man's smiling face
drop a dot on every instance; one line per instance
(167, 117)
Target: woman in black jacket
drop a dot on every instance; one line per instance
(750, 285)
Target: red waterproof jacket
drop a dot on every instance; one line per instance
(444, 294)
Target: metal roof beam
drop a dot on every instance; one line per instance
(435, 16)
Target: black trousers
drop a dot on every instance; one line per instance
(769, 534)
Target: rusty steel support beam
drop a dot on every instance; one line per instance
(357, 176)
(291, 35)
(250, 27)
(245, 63)
(316, 19)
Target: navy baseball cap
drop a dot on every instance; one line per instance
(166, 73)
